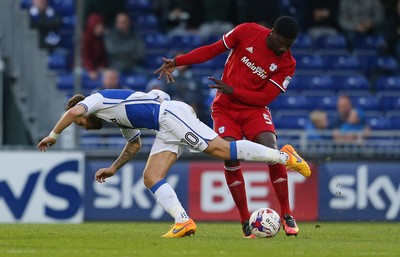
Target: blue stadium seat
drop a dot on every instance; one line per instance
(145, 22)
(386, 64)
(57, 61)
(156, 41)
(388, 101)
(345, 62)
(318, 82)
(138, 5)
(63, 7)
(378, 122)
(134, 81)
(25, 4)
(387, 83)
(290, 119)
(365, 102)
(154, 60)
(65, 81)
(310, 62)
(90, 84)
(394, 118)
(185, 41)
(367, 60)
(332, 44)
(303, 43)
(369, 43)
(292, 102)
(350, 82)
(324, 100)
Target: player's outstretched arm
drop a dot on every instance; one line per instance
(130, 149)
(66, 120)
(166, 70)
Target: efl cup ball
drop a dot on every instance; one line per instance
(265, 223)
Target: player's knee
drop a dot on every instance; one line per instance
(149, 179)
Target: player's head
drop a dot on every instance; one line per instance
(88, 122)
(283, 34)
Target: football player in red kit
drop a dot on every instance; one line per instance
(258, 68)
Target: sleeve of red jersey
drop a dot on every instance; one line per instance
(201, 54)
(257, 98)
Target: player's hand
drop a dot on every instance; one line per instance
(46, 142)
(166, 70)
(221, 86)
(104, 173)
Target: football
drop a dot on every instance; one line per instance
(265, 223)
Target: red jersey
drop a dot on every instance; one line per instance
(257, 74)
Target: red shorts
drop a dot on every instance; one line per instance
(246, 123)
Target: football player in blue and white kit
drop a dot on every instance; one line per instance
(176, 126)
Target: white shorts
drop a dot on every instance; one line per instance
(179, 127)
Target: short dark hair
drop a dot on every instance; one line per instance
(73, 101)
(286, 26)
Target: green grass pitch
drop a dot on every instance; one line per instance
(212, 239)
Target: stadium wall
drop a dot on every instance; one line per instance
(60, 187)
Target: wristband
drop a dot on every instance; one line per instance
(53, 135)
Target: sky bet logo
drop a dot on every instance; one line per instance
(43, 188)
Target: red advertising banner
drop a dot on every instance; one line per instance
(210, 198)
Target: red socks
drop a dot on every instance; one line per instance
(278, 176)
(235, 182)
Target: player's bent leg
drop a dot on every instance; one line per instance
(295, 162)
(181, 229)
(289, 225)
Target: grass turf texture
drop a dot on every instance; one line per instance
(212, 239)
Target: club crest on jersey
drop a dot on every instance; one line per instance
(273, 67)
(255, 69)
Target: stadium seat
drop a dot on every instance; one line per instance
(155, 41)
(154, 60)
(387, 83)
(386, 65)
(145, 22)
(25, 4)
(188, 41)
(350, 82)
(367, 60)
(290, 119)
(65, 81)
(345, 62)
(369, 43)
(303, 43)
(365, 102)
(388, 101)
(332, 44)
(57, 61)
(320, 99)
(63, 7)
(378, 122)
(135, 82)
(138, 5)
(292, 102)
(394, 118)
(90, 84)
(310, 62)
(318, 82)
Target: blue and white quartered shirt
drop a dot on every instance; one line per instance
(128, 109)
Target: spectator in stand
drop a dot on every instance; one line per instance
(126, 50)
(354, 129)
(94, 55)
(323, 17)
(343, 108)
(44, 19)
(183, 16)
(219, 17)
(108, 9)
(317, 125)
(186, 88)
(359, 17)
